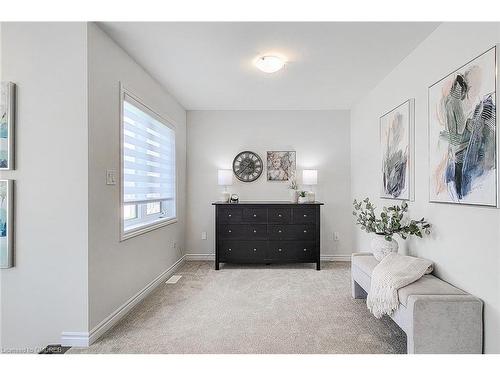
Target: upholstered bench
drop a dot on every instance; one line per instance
(436, 316)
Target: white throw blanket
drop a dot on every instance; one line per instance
(393, 272)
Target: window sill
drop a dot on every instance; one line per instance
(147, 228)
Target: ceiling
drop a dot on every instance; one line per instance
(209, 65)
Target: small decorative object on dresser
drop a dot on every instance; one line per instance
(303, 198)
(292, 189)
(392, 221)
(267, 232)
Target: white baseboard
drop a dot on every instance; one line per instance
(191, 257)
(324, 258)
(77, 339)
(336, 258)
(85, 339)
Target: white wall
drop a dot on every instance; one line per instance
(321, 140)
(46, 292)
(118, 270)
(465, 244)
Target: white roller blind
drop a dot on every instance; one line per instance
(148, 155)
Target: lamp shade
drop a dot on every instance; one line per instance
(224, 177)
(310, 177)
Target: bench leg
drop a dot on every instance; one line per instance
(357, 290)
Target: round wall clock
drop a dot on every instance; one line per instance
(247, 166)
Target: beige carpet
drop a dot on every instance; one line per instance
(253, 309)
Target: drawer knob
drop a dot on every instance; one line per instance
(254, 215)
(254, 249)
(229, 215)
(305, 215)
(229, 231)
(305, 249)
(279, 215)
(279, 231)
(279, 249)
(255, 230)
(229, 249)
(305, 231)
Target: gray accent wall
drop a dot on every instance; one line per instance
(465, 243)
(321, 140)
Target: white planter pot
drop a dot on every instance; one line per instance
(381, 247)
(303, 200)
(293, 195)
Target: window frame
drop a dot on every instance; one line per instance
(159, 222)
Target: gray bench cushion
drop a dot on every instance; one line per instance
(365, 263)
(426, 285)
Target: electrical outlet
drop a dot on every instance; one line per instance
(203, 235)
(335, 236)
(174, 245)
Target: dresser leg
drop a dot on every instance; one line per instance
(318, 266)
(216, 266)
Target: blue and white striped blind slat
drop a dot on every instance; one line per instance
(148, 157)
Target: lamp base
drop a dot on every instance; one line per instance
(311, 196)
(224, 196)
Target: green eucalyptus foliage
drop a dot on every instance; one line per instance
(392, 220)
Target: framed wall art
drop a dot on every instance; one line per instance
(6, 223)
(281, 165)
(396, 146)
(7, 122)
(463, 145)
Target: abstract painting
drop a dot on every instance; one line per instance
(7, 103)
(6, 222)
(280, 165)
(462, 134)
(396, 129)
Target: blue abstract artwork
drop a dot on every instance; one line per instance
(6, 211)
(462, 134)
(7, 93)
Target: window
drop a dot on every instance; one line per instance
(148, 168)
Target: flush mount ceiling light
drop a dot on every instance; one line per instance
(269, 64)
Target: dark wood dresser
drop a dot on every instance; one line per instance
(267, 232)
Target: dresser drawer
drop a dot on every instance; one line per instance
(303, 215)
(255, 215)
(243, 251)
(291, 250)
(243, 231)
(291, 231)
(280, 215)
(230, 214)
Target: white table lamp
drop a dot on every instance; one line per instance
(310, 178)
(225, 178)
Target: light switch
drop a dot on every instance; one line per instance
(203, 235)
(110, 177)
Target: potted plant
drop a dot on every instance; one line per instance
(292, 189)
(392, 220)
(303, 198)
